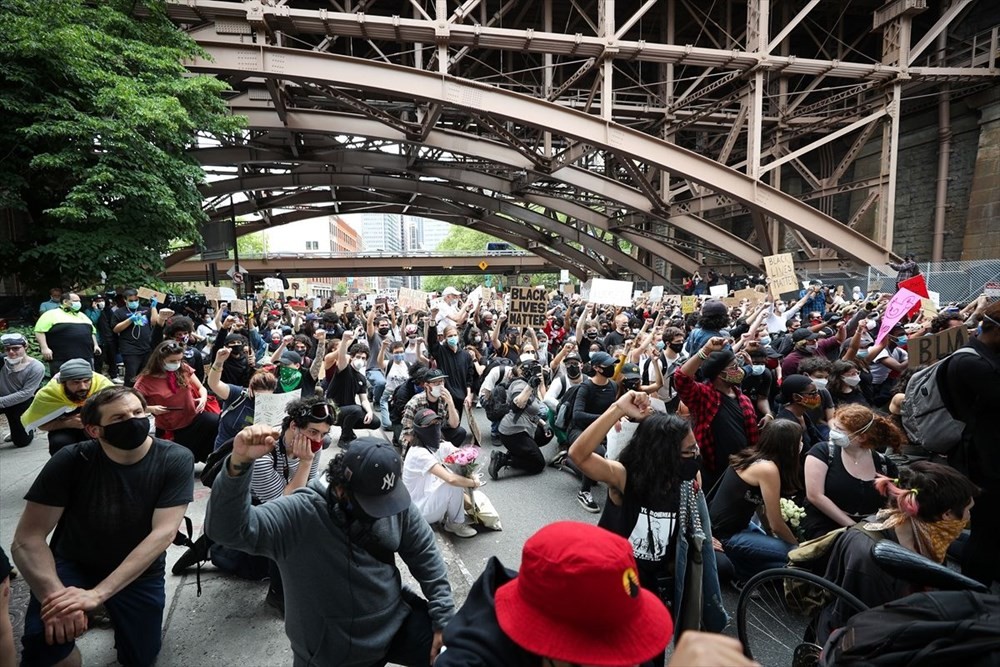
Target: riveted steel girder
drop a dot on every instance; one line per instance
(407, 83)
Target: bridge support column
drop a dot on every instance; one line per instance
(982, 240)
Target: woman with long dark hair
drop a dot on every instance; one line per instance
(177, 400)
(655, 501)
(756, 480)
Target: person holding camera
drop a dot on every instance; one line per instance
(520, 426)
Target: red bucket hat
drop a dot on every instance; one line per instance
(549, 608)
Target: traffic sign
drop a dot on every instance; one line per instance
(483, 265)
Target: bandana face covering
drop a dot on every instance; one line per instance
(290, 378)
(932, 538)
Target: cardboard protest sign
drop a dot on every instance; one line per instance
(211, 293)
(274, 284)
(719, 291)
(897, 308)
(656, 293)
(751, 295)
(527, 307)
(689, 304)
(238, 306)
(412, 299)
(611, 292)
(928, 310)
(269, 409)
(731, 302)
(780, 270)
(569, 289)
(146, 293)
(927, 350)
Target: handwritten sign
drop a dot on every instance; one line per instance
(897, 308)
(928, 310)
(146, 293)
(238, 306)
(656, 293)
(527, 307)
(689, 304)
(227, 294)
(780, 270)
(751, 295)
(611, 292)
(211, 293)
(269, 409)
(412, 299)
(935, 347)
(274, 284)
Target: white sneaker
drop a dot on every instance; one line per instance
(460, 529)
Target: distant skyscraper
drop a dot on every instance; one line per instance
(383, 232)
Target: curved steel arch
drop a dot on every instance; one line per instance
(502, 210)
(408, 83)
(459, 174)
(459, 143)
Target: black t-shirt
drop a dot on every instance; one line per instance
(134, 339)
(650, 525)
(756, 387)
(854, 496)
(345, 386)
(855, 397)
(108, 507)
(612, 339)
(729, 429)
(591, 402)
(71, 340)
(733, 504)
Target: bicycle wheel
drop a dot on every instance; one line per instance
(776, 630)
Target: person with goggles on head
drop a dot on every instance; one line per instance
(20, 378)
(177, 400)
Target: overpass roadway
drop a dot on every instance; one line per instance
(322, 265)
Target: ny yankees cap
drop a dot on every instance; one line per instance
(374, 474)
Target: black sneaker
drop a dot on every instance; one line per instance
(587, 502)
(497, 461)
(558, 459)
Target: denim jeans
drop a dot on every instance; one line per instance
(377, 381)
(752, 551)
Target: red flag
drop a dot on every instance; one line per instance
(917, 285)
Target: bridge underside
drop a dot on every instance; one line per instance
(609, 138)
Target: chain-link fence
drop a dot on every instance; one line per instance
(954, 281)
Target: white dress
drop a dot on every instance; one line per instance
(436, 499)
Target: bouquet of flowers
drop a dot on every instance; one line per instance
(792, 514)
(463, 460)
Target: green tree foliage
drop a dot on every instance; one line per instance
(466, 239)
(251, 244)
(97, 115)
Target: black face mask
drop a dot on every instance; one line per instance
(573, 371)
(592, 335)
(383, 332)
(606, 371)
(676, 347)
(631, 385)
(128, 434)
(236, 352)
(690, 467)
(429, 436)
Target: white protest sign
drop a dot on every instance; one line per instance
(637, 294)
(618, 438)
(411, 299)
(274, 284)
(719, 291)
(935, 297)
(656, 293)
(227, 294)
(269, 409)
(611, 292)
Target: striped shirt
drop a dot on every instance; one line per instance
(272, 473)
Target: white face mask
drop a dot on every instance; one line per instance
(820, 383)
(851, 380)
(359, 364)
(436, 391)
(171, 366)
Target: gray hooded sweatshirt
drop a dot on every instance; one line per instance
(343, 605)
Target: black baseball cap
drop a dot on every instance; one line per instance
(805, 334)
(374, 475)
(433, 375)
(630, 372)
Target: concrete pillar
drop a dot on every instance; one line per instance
(982, 226)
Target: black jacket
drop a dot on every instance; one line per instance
(473, 637)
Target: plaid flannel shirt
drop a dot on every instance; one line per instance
(703, 400)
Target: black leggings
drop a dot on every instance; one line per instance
(198, 436)
(133, 364)
(523, 453)
(352, 417)
(18, 435)
(61, 437)
(602, 450)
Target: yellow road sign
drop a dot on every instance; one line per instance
(483, 265)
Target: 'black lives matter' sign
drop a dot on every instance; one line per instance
(527, 307)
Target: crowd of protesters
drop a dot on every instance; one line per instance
(703, 417)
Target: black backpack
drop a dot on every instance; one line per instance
(499, 404)
(401, 395)
(920, 630)
(564, 409)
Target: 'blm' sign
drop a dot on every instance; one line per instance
(527, 307)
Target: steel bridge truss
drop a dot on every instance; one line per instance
(643, 137)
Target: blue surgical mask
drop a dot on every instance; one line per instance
(757, 369)
(398, 357)
(660, 345)
(765, 340)
(132, 305)
(901, 340)
(452, 340)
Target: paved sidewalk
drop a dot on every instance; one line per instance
(228, 625)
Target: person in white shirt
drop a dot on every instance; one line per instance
(436, 491)
(778, 317)
(448, 312)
